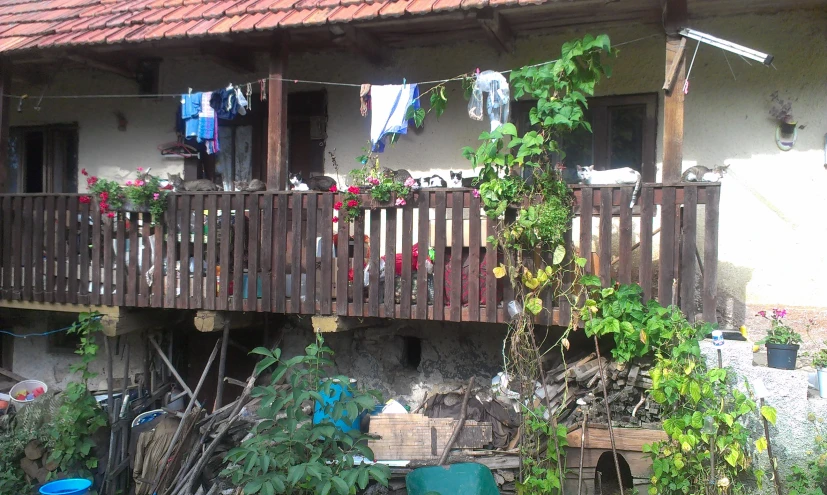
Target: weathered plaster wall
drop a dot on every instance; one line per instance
(34, 358)
(771, 208)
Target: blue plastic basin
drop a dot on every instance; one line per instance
(74, 486)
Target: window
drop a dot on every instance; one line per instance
(43, 159)
(624, 133)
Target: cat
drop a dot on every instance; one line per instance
(436, 181)
(699, 173)
(321, 183)
(456, 180)
(254, 185)
(399, 175)
(588, 175)
(199, 185)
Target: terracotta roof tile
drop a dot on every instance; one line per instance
(157, 32)
(239, 8)
(218, 8)
(329, 3)
(261, 5)
(120, 20)
(442, 5)
(284, 5)
(474, 4)
(7, 44)
(193, 2)
(101, 20)
(121, 34)
(345, 13)
(198, 11)
(368, 11)
(294, 18)
(270, 21)
(224, 25)
(179, 13)
(138, 35)
(181, 29)
(248, 23)
(306, 4)
(421, 6)
(32, 29)
(158, 14)
(395, 9)
(318, 16)
(93, 37)
(202, 27)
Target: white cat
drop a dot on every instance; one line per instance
(588, 175)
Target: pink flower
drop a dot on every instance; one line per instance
(762, 314)
(335, 219)
(103, 207)
(111, 214)
(156, 196)
(353, 190)
(476, 193)
(352, 203)
(373, 180)
(129, 183)
(400, 202)
(337, 205)
(83, 171)
(140, 169)
(85, 199)
(104, 196)
(139, 183)
(91, 181)
(409, 182)
(333, 188)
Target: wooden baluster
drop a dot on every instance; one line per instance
(279, 303)
(423, 243)
(267, 251)
(197, 295)
(212, 252)
(309, 303)
(604, 249)
(624, 272)
(253, 243)
(182, 299)
(474, 251)
(325, 287)
(374, 287)
(687, 287)
(710, 284)
(647, 208)
(406, 298)
(439, 256)
(667, 246)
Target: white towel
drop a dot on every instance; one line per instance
(389, 106)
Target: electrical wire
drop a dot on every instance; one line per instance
(287, 80)
(43, 334)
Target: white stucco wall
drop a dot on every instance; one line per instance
(772, 201)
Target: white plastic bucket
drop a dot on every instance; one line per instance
(29, 386)
(822, 383)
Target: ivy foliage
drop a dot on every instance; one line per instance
(287, 453)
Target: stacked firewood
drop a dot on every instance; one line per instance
(578, 388)
(36, 464)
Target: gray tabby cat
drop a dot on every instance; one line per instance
(254, 185)
(699, 173)
(199, 185)
(588, 175)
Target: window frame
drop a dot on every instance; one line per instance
(601, 142)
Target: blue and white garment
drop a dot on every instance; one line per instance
(190, 108)
(389, 107)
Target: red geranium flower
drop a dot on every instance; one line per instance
(111, 214)
(104, 195)
(335, 219)
(168, 187)
(85, 199)
(353, 189)
(103, 207)
(83, 171)
(352, 203)
(333, 188)
(337, 205)
(92, 180)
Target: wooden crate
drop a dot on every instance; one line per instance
(415, 436)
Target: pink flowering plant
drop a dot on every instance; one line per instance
(349, 207)
(385, 187)
(146, 190)
(779, 333)
(108, 193)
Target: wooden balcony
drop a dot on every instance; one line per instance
(241, 252)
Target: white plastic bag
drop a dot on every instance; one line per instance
(498, 106)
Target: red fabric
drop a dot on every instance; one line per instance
(466, 283)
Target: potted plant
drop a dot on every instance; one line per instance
(786, 130)
(782, 342)
(820, 364)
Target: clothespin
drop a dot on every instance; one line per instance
(20, 104)
(189, 91)
(686, 87)
(263, 89)
(404, 81)
(249, 96)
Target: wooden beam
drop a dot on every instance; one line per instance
(675, 15)
(672, 73)
(116, 69)
(625, 438)
(229, 56)
(673, 114)
(277, 117)
(214, 321)
(497, 30)
(5, 109)
(332, 324)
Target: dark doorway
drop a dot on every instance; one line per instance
(307, 132)
(605, 475)
(43, 159)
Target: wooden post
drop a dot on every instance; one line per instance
(675, 17)
(277, 116)
(5, 110)
(222, 366)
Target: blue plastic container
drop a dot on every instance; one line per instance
(73, 486)
(319, 414)
(244, 290)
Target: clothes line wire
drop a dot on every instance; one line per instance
(288, 80)
(43, 334)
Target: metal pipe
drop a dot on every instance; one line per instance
(608, 413)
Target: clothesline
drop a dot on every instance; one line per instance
(288, 80)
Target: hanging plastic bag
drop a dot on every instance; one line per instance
(498, 106)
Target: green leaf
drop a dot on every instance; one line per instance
(253, 487)
(363, 479)
(267, 488)
(695, 392)
(262, 351)
(264, 364)
(769, 414)
(534, 305)
(295, 474)
(581, 262)
(590, 280)
(559, 254)
(761, 444)
(509, 129)
(340, 485)
(326, 488)
(732, 457)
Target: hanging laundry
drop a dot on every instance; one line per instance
(499, 98)
(389, 107)
(241, 102)
(249, 96)
(224, 103)
(208, 125)
(364, 99)
(190, 108)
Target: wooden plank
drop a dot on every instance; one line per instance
(17, 247)
(342, 265)
(225, 246)
(296, 259)
(146, 260)
(73, 247)
(280, 255)
(182, 299)
(325, 287)
(158, 283)
(134, 253)
(85, 242)
(406, 298)
(604, 249)
(120, 264)
(490, 280)
(689, 233)
(564, 302)
(37, 250)
(212, 251)
(309, 303)
(423, 242)
(710, 284)
(645, 270)
(455, 311)
(625, 438)
(390, 263)
(8, 236)
(253, 243)
(474, 242)
(26, 264)
(672, 71)
(373, 264)
(60, 249)
(667, 247)
(277, 115)
(266, 261)
(107, 224)
(358, 265)
(97, 228)
(197, 295)
(238, 252)
(624, 272)
(586, 212)
(172, 236)
(440, 216)
(673, 115)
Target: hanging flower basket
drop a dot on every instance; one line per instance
(131, 206)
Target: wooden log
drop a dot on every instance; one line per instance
(171, 368)
(463, 413)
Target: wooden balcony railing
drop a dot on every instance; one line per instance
(243, 252)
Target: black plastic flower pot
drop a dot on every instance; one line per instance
(782, 356)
